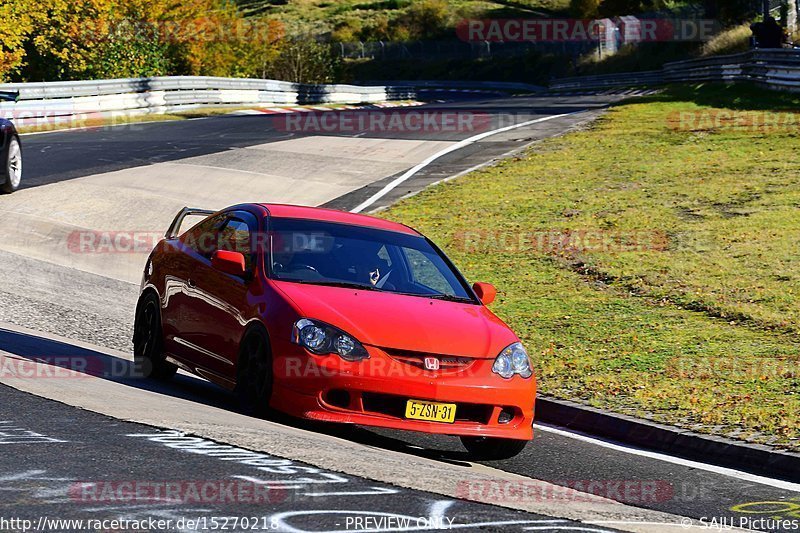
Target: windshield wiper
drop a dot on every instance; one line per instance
(344, 284)
(447, 298)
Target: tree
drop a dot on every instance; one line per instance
(619, 8)
(304, 60)
(15, 28)
(584, 9)
(427, 19)
(52, 40)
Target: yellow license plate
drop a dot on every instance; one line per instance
(435, 412)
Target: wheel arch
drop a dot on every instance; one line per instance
(145, 292)
(251, 327)
(149, 289)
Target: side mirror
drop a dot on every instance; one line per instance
(485, 291)
(229, 262)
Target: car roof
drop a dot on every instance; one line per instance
(332, 215)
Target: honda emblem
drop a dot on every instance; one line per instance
(431, 363)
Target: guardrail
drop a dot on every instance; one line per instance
(508, 86)
(774, 69)
(630, 79)
(163, 94)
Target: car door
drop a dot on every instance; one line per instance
(184, 254)
(220, 307)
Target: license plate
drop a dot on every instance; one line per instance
(435, 412)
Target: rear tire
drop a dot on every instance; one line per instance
(254, 376)
(148, 340)
(11, 171)
(491, 448)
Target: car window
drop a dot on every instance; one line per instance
(423, 270)
(326, 253)
(235, 237)
(202, 238)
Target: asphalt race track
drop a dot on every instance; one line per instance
(58, 303)
(177, 483)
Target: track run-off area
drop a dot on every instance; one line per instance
(76, 441)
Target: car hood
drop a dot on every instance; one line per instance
(404, 322)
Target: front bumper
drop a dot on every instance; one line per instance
(374, 392)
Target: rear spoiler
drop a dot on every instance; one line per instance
(175, 227)
(9, 96)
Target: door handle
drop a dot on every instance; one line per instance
(191, 283)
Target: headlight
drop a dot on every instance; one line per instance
(322, 339)
(513, 360)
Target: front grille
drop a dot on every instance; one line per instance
(391, 405)
(447, 363)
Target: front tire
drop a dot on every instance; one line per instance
(254, 376)
(148, 340)
(491, 448)
(11, 171)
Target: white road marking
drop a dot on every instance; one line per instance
(439, 508)
(371, 492)
(461, 144)
(629, 523)
(17, 435)
(558, 527)
(462, 173)
(23, 476)
(730, 472)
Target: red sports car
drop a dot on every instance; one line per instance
(338, 317)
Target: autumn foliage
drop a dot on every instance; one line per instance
(44, 40)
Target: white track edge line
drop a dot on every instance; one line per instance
(721, 470)
(460, 144)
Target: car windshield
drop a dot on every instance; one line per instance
(325, 253)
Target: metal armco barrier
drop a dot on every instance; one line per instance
(774, 69)
(170, 93)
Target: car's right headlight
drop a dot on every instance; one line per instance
(513, 360)
(321, 338)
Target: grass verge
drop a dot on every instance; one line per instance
(649, 262)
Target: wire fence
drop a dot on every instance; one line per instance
(446, 50)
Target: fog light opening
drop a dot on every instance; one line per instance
(505, 416)
(338, 398)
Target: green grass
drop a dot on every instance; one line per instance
(730, 41)
(702, 330)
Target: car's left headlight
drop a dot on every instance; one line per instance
(513, 360)
(322, 339)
